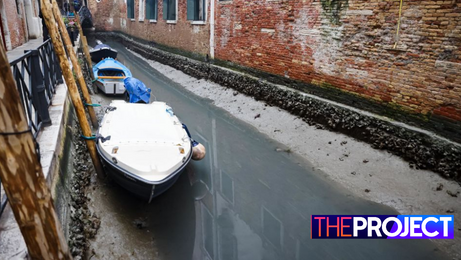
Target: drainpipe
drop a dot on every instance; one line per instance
(212, 13)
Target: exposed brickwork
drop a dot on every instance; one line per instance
(15, 23)
(351, 47)
(110, 15)
(348, 45)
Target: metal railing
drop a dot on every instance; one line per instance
(36, 73)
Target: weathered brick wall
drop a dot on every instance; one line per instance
(350, 45)
(344, 44)
(15, 23)
(110, 15)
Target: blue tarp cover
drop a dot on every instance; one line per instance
(137, 90)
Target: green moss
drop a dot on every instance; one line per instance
(333, 8)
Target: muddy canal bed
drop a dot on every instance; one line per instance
(250, 198)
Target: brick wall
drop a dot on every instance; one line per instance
(350, 45)
(15, 23)
(110, 15)
(344, 44)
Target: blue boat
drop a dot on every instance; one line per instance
(109, 76)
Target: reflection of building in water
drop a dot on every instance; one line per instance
(256, 204)
(241, 216)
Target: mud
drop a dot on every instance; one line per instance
(84, 223)
(421, 150)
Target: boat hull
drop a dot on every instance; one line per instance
(99, 54)
(141, 188)
(111, 87)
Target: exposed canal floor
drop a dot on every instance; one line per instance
(246, 200)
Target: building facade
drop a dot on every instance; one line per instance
(19, 22)
(407, 56)
(179, 24)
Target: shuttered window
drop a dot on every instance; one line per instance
(151, 9)
(169, 10)
(130, 9)
(196, 10)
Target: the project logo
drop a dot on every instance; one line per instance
(382, 226)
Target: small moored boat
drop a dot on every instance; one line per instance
(109, 76)
(102, 51)
(144, 147)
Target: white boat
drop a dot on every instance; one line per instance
(144, 147)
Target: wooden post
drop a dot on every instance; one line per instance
(75, 65)
(84, 42)
(70, 82)
(86, 52)
(22, 176)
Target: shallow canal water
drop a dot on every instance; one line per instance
(245, 200)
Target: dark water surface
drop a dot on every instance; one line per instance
(245, 200)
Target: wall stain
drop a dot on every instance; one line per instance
(333, 8)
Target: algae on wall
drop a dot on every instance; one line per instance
(333, 8)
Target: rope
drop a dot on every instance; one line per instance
(17, 133)
(96, 137)
(194, 143)
(92, 105)
(37, 146)
(398, 24)
(93, 137)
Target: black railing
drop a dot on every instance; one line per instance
(3, 200)
(37, 73)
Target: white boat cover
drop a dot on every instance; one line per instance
(147, 140)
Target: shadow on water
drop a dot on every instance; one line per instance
(245, 200)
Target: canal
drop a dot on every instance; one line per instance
(250, 198)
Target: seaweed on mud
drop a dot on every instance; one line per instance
(84, 224)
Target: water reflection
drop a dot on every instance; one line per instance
(247, 201)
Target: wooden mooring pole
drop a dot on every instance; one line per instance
(84, 42)
(75, 64)
(22, 176)
(70, 82)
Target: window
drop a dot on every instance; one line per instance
(151, 9)
(130, 9)
(196, 10)
(169, 10)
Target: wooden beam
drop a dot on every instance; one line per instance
(70, 82)
(22, 176)
(75, 64)
(86, 51)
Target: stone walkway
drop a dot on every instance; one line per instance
(19, 51)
